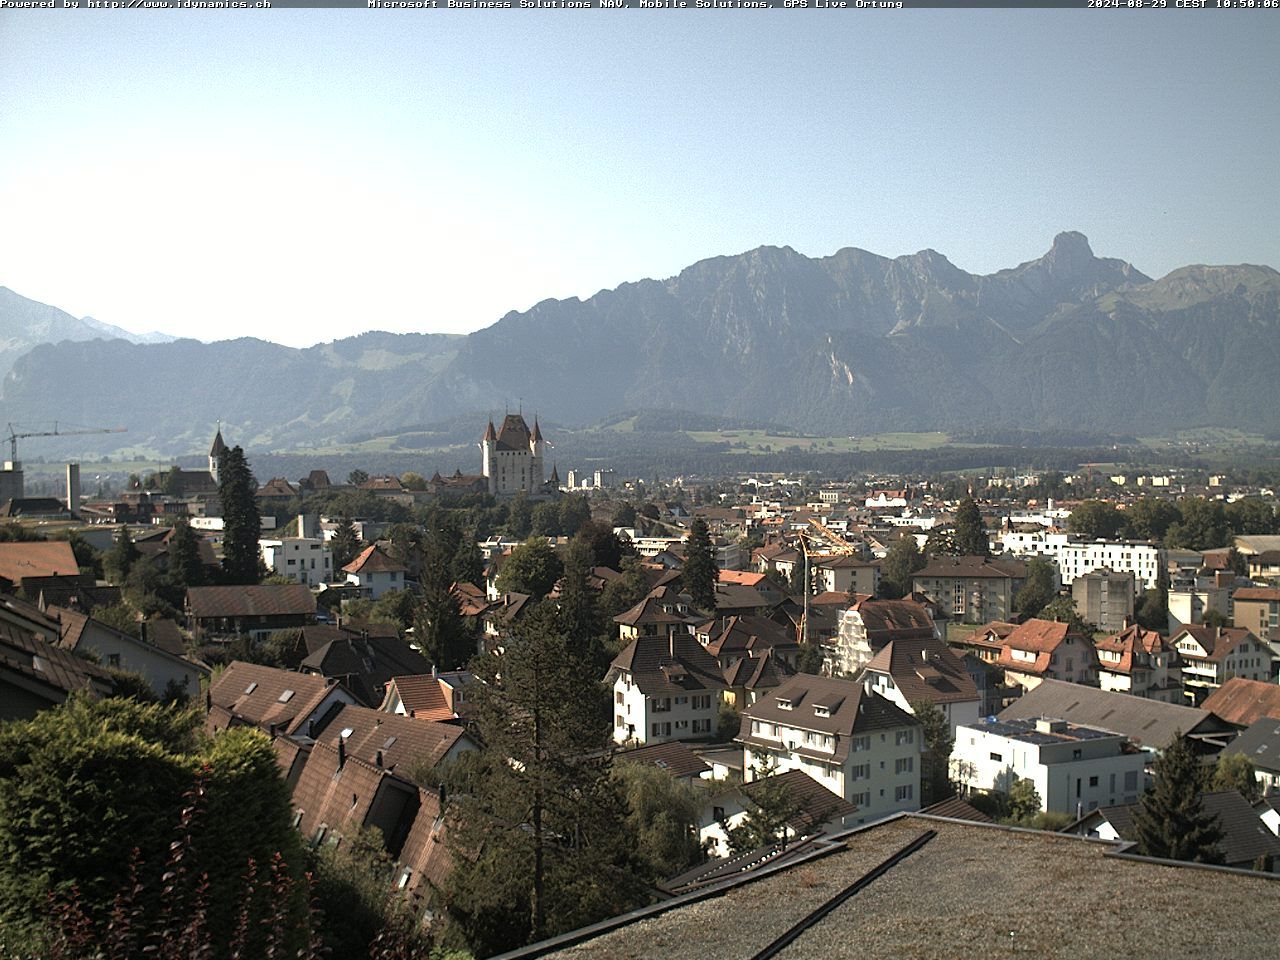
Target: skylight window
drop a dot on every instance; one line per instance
(285, 697)
(346, 732)
(250, 688)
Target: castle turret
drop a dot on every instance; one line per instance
(488, 447)
(216, 453)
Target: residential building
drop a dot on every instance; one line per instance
(1150, 724)
(364, 664)
(1241, 702)
(1144, 560)
(429, 696)
(21, 560)
(814, 809)
(1264, 566)
(1073, 768)
(1193, 599)
(1140, 662)
(307, 560)
(867, 625)
(859, 745)
(909, 671)
(1213, 655)
(167, 672)
(36, 674)
(844, 574)
(665, 688)
(375, 572)
(1260, 743)
(730, 639)
(1105, 598)
(1245, 841)
(395, 743)
(673, 757)
(1257, 609)
(254, 610)
(274, 700)
(1040, 650)
(660, 614)
(971, 589)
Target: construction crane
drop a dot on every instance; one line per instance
(15, 435)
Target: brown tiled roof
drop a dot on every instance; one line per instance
(1217, 641)
(59, 670)
(372, 559)
(761, 672)
(648, 610)
(384, 484)
(52, 558)
(815, 804)
(1242, 702)
(837, 598)
(339, 791)
(402, 741)
(277, 487)
(1134, 645)
(969, 568)
(426, 851)
(256, 695)
(657, 673)
(729, 636)
(1256, 593)
(165, 634)
(895, 619)
(853, 710)
(422, 696)
(513, 434)
(673, 757)
(925, 669)
(365, 665)
(745, 577)
(954, 808)
(471, 599)
(258, 600)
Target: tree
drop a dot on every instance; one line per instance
(579, 614)
(345, 544)
(935, 759)
(769, 809)
(1170, 820)
(970, 536)
(1096, 519)
(1063, 609)
(699, 572)
(186, 569)
(624, 515)
(545, 520)
(284, 648)
(85, 784)
(532, 568)
(662, 818)
(467, 564)
(519, 516)
(242, 524)
(1251, 516)
(121, 557)
(119, 616)
(607, 548)
(1149, 518)
(413, 481)
(357, 477)
(903, 559)
(1037, 589)
(1235, 771)
(1024, 800)
(1203, 525)
(941, 544)
(540, 812)
(88, 559)
(574, 512)
(1153, 611)
(439, 628)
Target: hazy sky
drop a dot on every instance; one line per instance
(311, 174)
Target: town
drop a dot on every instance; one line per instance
(470, 714)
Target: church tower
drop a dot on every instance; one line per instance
(216, 453)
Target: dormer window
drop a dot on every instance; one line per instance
(821, 711)
(784, 703)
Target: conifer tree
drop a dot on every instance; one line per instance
(242, 524)
(186, 569)
(1171, 820)
(699, 572)
(345, 544)
(579, 613)
(970, 537)
(439, 627)
(467, 565)
(121, 557)
(539, 811)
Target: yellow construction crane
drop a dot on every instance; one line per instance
(15, 435)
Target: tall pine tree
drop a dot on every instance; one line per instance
(542, 818)
(345, 544)
(970, 537)
(1171, 820)
(439, 627)
(579, 613)
(699, 572)
(242, 524)
(121, 557)
(186, 569)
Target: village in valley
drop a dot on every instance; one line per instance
(501, 712)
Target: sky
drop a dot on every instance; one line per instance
(305, 175)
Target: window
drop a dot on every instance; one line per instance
(904, 736)
(998, 757)
(904, 765)
(717, 813)
(618, 697)
(784, 703)
(113, 660)
(861, 771)
(903, 792)
(661, 705)
(681, 700)
(860, 743)
(1093, 781)
(618, 721)
(1077, 754)
(285, 697)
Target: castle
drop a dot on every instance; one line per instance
(512, 457)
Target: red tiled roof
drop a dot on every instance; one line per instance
(925, 669)
(1256, 593)
(1243, 702)
(257, 600)
(260, 696)
(372, 559)
(1216, 641)
(422, 696)
(402, 741)
(53, 558)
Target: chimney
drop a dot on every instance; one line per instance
(73, 487)
(378, 759)
(311, 729)
(342, 753)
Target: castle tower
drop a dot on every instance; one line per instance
(538, 447)
(216, 453)
(488, 445)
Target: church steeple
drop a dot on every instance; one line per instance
(216, 453)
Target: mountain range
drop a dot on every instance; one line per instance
(845, 344)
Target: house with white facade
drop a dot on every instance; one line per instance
(856, 743)
(867, 625)
(306, 560)
(1140, 662)
(909, 671)
(814, 809)
(1074, 769)
(1144, 560)
(1260, 743)
(1047, 650)
(664, 688)
(375, 573)
(1213, 655)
